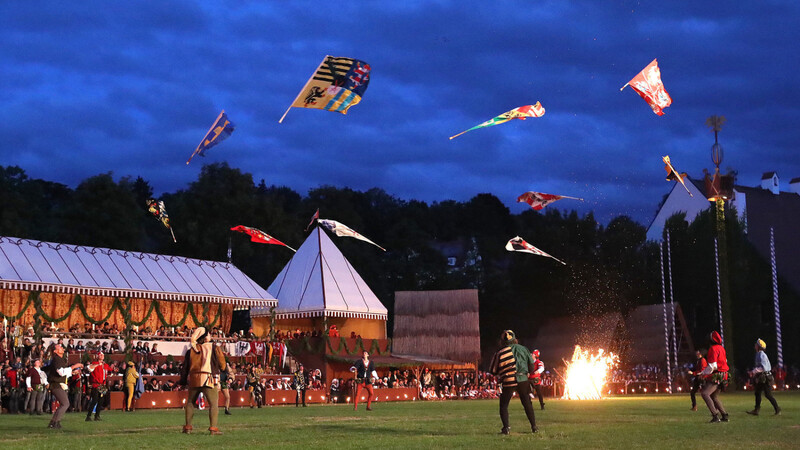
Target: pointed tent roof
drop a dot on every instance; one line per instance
(320, 281)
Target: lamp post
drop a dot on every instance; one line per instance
(718, 189)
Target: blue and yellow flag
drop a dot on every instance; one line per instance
(220, 131)
(337, 84)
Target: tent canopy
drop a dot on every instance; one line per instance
(320, 282)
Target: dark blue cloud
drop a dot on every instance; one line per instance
(97, 87)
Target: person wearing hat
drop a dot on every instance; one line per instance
(201, 368)
(763, 379)
(535, 377)
(716, 378)
(131, 375)
(512, 364)
(60, 371)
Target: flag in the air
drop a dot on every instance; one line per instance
(518, 244)
(538, 200)
(313, 218)
(259, 236)
(674, 175)
(158, 209)
(337, 84)
(220, 131)
(522, 112)
(649, 86)
(341, 229)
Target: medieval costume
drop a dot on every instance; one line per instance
(716, 378)
(299, 383)
(59, 372)
(511, 364)
(98, 381)
(697, 380)
(201, 367)
(131, 376)
(36, 381)
(535, 377)
(763, 379)
(365, 376)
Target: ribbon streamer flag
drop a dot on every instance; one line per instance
(218, 132)
(518, 244)
(337, 84)
(341, 229)
(313, 218)
(158, 209)
(673, 175)
(538, 200)
(649, 86)
(522, 112)
(259, 236)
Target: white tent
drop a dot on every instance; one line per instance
(320, 282)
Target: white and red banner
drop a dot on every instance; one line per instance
(341, 229)
(649, 86)
(538, 200)
(517, 244)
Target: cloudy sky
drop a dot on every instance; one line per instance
(95, 86)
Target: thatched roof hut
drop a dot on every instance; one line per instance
(437, 324)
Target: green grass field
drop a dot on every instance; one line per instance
(621, 422)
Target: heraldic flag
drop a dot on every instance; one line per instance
(341, 229)
(518, 244)
(220, 131)
(649, 86)
(673, 175)
(157, 209)
(538, 200)
(259, 236)
(337, 84)
(522, 112)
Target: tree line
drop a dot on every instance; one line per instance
(610, 268)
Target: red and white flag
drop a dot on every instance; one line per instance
(673, 175)
(518, 244)
(259, 236)
(649, 86)
(313, 219)
(341, 229)
(538, 200)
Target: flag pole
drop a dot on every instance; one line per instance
(574, 198)
(173, 235)
(304, 86)
(623, 87)
(459, 134)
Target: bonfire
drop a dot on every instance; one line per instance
(588, 373)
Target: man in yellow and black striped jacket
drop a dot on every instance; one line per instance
(511, 364)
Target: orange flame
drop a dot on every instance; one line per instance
(587, 374)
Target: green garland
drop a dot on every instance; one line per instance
(305, 346)
(123, 306)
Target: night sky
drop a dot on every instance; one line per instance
(94, 86)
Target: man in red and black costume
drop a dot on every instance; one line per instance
(697, 380)
(365, 377)
(535, 377)
(716, 378)
(98, 381)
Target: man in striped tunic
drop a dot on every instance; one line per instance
(511, 364)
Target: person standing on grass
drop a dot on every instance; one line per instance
(226, 378)
(365, 377)
(300, 385)
(98, 381)
(697, 381)
(716, 378)
(512, 364)
(131, 376)
(763, 379)
(535, 377)
(59, 372)
(36, 382)
(201, 367)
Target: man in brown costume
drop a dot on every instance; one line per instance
(201, 367)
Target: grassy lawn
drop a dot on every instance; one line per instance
(621, 422)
